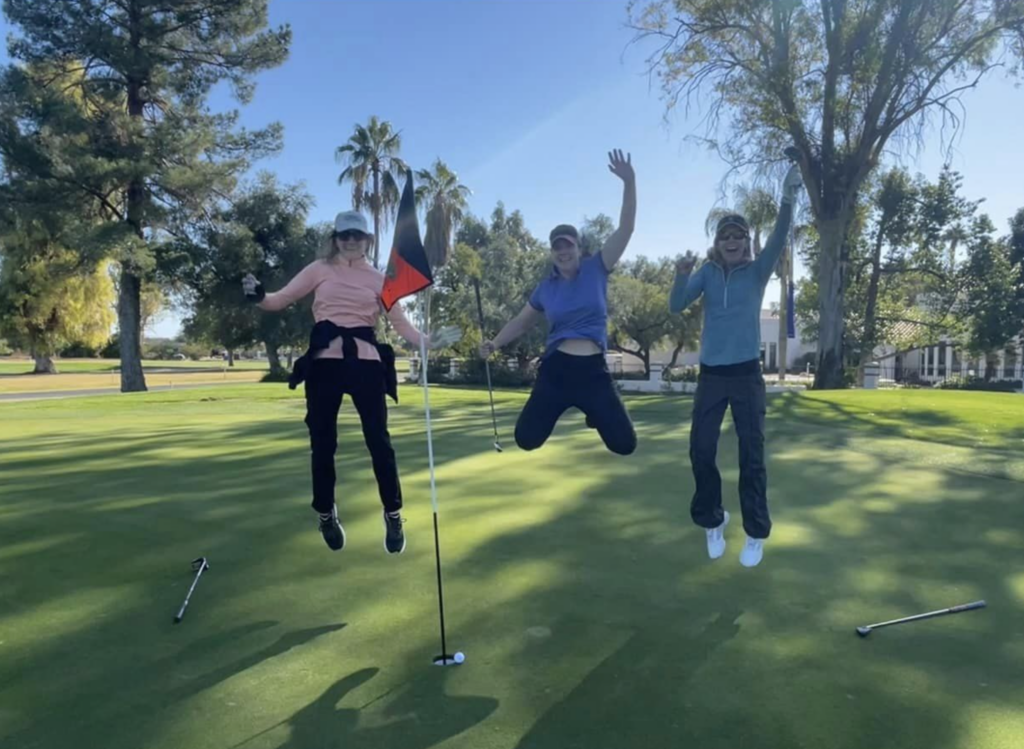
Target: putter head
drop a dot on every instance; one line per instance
(863, 631)
(200, 563)
(497, 446)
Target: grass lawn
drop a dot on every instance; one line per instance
(575, 584)
(94, 374)
(78, 366)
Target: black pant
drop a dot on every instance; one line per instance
(566, 381)
(327, 382)
(742, 389)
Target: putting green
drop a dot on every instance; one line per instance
(575, 583)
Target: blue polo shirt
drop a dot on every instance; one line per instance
(577, 307)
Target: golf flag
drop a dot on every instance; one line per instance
(408, 268)
(791, 313)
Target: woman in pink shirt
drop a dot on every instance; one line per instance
(345, 358)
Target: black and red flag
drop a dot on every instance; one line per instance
(408, 268)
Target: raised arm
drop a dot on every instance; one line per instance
(622, 167)
(769, 257)
(688, 285)
(303, 284)
(526, 319)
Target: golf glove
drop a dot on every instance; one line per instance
(445, 337)
(792, 184)
(253, 289)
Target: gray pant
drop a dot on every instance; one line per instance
(745, 394)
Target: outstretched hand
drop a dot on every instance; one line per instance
(792, 184)
(249, 284)
(621, 166)
(445, 337)
(684, 265)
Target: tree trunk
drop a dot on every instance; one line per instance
(231, 357)
(783, 351)
(275, 360)
(376, 216)
(867, 347)
(133, 380)
(831, 324)
(129, 303)
(291, 356)
(991, 364)
(675, 355)
(44, 364)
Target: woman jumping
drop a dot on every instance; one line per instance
(732, 282)
(573, 298)
(344, 357)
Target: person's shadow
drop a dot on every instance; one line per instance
(633, 698)
(419, 715)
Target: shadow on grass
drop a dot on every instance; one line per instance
(418, 716)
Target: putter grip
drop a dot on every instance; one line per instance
(969, 606)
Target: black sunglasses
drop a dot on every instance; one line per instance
(726, 235)
(349, 234)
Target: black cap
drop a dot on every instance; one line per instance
(732, 219)
(567, 231)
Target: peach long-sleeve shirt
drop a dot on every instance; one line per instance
(347, 292)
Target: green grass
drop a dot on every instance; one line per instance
(972, 419)
(76, 366)
(92, 366)
(575, 583)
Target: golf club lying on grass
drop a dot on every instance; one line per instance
(865, 631)
(199, 565)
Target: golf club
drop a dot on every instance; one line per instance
(865, 631)
(487, 365)
(199, 565)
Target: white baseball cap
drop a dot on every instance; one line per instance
(350, 221)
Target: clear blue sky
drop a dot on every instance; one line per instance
(523, 98)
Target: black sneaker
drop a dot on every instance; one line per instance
(394, 536)
(333, 533)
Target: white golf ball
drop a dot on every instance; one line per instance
(460, 657)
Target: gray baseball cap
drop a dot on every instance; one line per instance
(350, 221)
(733, 219)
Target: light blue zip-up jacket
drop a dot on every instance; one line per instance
(732, 299)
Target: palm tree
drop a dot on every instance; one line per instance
(445, 201)
(373, 167)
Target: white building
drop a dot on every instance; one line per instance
(944, 361)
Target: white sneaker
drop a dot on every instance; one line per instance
(752, 552)
(716, 539)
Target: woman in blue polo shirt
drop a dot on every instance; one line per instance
(574, 299)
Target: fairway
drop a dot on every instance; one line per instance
(575, 582)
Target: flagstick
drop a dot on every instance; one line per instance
(444, 658)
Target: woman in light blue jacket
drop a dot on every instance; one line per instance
(732, 282)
